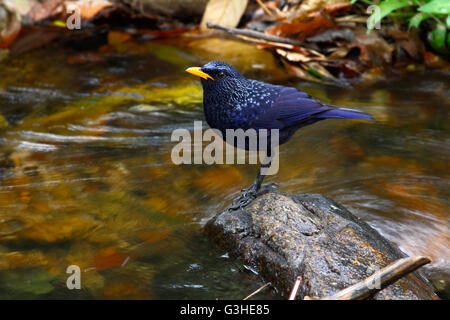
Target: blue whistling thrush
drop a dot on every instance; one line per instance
(230, 101)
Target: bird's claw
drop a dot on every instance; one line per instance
(248, 195)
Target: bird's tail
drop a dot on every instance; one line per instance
(344, 113)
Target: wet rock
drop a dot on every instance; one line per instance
(284, 236)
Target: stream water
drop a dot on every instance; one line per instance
(86, 176)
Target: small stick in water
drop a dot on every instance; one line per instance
(382, 278)
(294, 291)
(256, 291)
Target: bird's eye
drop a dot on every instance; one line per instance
(221, 75)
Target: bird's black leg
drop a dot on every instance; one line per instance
(250, 193)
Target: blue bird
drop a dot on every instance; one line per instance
(230, 101)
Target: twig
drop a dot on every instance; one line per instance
(254, 34)
(256, 291)
(380, 279)
(262, 5)
(295, 288)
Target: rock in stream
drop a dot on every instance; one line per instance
(283, 236)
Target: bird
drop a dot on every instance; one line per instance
(231, 101)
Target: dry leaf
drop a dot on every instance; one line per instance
(374, 50)
(315, 22)
(44, 10)
(297, 56)
(89, 8)
(309, 6)
(22, 7)
(10, 30)
(263, 44)
(300, 73)
(226, 13)
(320, 69)
(409, 41)
(337, 53)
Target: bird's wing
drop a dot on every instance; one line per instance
(294, 108)
(290, 108)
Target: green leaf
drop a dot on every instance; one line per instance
(448, 21)
(436, 6)
(315, 73)
(437, 37)
(418, 18)
(385, 8)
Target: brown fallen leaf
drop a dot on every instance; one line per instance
(263, 44)
(22, 7)
(318, 68)
(309, 6)
(374, 50)
(45, 9)
(10, 27)
(227, 13)
(293, 56)
(300, 73)
(337, 53)
(88, 8)
(409, 41)
(314, 23)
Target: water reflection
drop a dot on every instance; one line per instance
(86, 176)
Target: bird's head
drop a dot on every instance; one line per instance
(217, 75)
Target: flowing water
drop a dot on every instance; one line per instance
(86, 176)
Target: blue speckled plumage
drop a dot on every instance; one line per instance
(231, 101)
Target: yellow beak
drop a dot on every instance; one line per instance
(199, 73)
